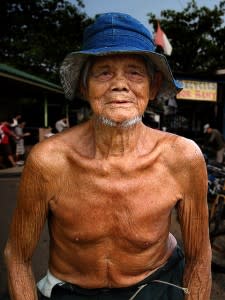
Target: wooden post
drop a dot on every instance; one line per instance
(45, 112)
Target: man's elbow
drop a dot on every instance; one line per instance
(13, 257)
(7, 253)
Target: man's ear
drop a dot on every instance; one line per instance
(155, 85)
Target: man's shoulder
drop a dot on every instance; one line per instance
(56, 147)
(189, 148)
(173, 140)
(48, 152)
(177, 149)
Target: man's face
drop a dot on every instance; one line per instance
(118, 87)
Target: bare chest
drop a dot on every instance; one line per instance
(95, 203)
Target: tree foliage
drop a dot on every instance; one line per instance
(35, 35)
(197, 37)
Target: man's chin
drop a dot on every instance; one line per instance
(119, 123)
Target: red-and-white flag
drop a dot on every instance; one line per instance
(162, 40)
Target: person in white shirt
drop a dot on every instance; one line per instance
(62, 124)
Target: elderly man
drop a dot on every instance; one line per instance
(108, 186)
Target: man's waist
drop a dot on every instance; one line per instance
(49, 281)
(176, 257)
(118, 271)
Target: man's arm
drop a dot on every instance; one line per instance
(193, 216)
(27, 224)
(212, 136)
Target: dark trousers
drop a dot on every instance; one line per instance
(171, 272)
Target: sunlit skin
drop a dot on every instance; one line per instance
(109, 193)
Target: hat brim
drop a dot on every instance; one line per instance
(73, 63)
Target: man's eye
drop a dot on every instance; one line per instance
(103, 75)
(135, 75)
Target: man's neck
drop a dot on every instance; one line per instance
(117, 139)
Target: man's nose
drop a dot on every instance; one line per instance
(120, 82)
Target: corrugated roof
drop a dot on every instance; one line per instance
(15, 74)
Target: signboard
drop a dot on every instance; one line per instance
(198, 91)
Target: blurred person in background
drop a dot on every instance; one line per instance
(62, 124)
(216, 140)
(20, 148)
(15, 121)
(5, 144)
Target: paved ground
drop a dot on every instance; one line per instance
(9, 180)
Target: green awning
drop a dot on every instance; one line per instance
(18, 75)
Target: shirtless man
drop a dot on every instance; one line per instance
(108, 186)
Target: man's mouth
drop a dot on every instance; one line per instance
(119, 102)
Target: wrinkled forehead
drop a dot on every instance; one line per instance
(111, 59)
(134, 59)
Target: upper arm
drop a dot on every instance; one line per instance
(30, 212)
(193, 207)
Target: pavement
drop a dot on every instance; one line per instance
(11, 172)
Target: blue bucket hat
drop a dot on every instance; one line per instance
(116, 33)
